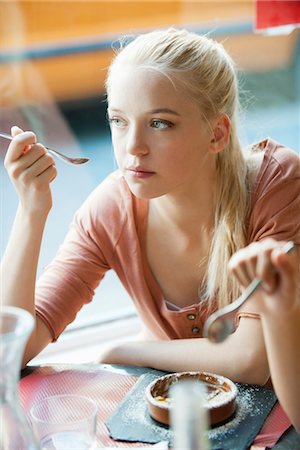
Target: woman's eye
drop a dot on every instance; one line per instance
(161, 124)
(116, 121)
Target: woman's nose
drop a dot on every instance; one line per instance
(136, 142)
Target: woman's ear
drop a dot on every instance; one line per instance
(221, 132)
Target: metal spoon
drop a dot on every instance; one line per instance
(65, 158)
(222, 322)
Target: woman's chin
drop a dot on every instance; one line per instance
(144, 191)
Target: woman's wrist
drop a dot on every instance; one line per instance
(32, 215)
(282, 315)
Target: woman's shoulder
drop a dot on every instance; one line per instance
(272, 163)
(283, 157)
(109, 206)
(275, 199)
(110, 192)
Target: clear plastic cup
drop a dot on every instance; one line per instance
(63, 422)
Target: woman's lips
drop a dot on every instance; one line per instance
(139, 172)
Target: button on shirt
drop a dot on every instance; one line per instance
(191, 316)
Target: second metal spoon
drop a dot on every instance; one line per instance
(65, 158)
(222, 322)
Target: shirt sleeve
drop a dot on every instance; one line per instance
(87, 252)
(275, 209)
(276, 201)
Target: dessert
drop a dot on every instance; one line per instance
(220, 399)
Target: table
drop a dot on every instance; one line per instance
(45, 377)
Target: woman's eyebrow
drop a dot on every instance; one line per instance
(152, 111)
(164, 110)
(114, 110)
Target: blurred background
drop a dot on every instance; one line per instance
(53, 61)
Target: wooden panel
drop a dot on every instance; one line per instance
(53, 23)
(254, 52)
(44, 21)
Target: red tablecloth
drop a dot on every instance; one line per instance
(276, 424)
(108, 389)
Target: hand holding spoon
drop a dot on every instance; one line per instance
(222, 322)
(64, 158)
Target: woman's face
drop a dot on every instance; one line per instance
(160, 139)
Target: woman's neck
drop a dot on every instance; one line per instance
(178, 240)
(186, 213)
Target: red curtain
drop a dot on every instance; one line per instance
(275, 13)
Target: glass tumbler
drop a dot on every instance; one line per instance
(65, 421)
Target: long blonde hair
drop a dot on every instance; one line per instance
(207, 74)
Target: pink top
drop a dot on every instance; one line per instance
(108, 232)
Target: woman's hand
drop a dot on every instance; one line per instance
(278, 272)
(31, 170)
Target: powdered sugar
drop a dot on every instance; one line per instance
(132, 421)
(136, 412)
(243, 408)
(246, 406)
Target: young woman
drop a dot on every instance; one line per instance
(184, 199)
(278, 304)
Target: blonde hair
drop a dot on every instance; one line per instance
(206, 72)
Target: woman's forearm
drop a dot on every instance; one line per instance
(282, 338)
(18, 275)
(31, 169)
(20, 260)
(233, 358)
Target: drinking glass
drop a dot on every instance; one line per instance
(16, 324)
(189, 417)
(63, 422)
